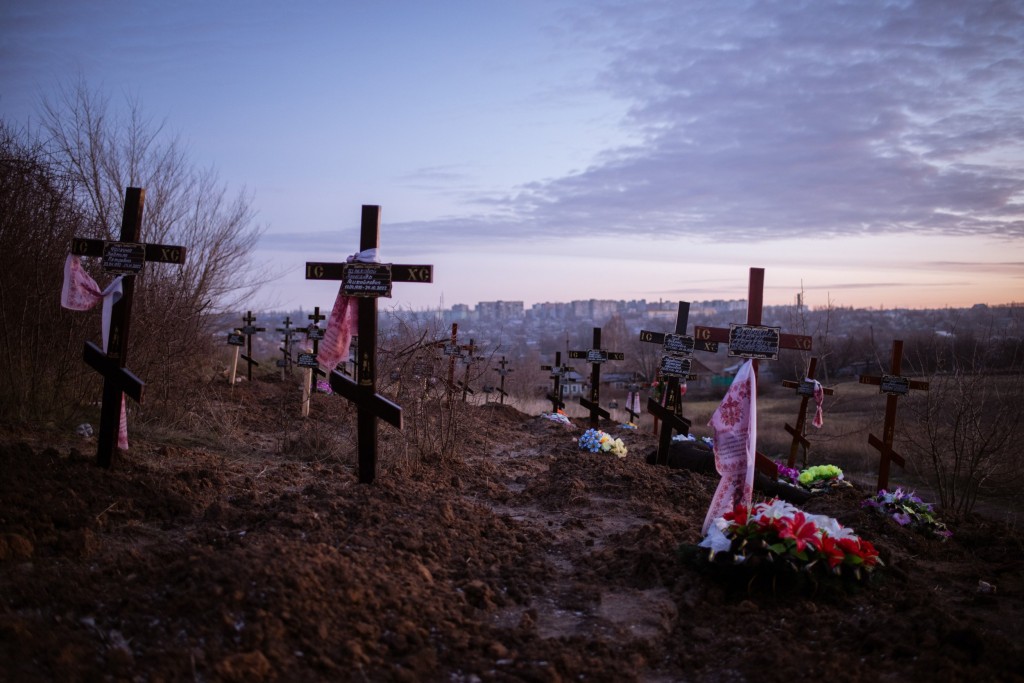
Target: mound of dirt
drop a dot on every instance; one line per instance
(524, 559)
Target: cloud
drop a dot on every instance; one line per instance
(768, 120)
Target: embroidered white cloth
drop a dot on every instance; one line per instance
(633, 402)
(343, 321)
(819, 397)
(735, 424)
(80, 293)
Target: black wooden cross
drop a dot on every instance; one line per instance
(126, 256)
(368, 281)
(453, 351)
(756, 342)
(468, 359)
(894, 386)
(557, 372)
(315, 333)
(675, 365)
(286, 350)
(596, 356)
(502, 372)
(805, 390)
(249, 330)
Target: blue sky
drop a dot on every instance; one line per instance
(871, 153)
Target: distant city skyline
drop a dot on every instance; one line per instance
(865, 153)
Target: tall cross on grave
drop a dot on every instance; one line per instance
(894, 386)
(468, 359)
(314, 333)
(286, 350)
(596, 356)
(368, 282)
(127, 257)
(805, 390)
(756, 342)
(502, 372)
(678, 350)
(249, 330)
(557, 372)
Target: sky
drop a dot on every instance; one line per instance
(867, 153)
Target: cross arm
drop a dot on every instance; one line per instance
(893, 455)
(162, 253)
(790, 384)
(125, 380)
(380, 406)
(319, 270)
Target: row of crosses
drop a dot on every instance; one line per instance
(128, 255)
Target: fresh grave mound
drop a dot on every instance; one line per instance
(525, 559)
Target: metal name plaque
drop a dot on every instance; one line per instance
(675, 366)
(681, 344)
(754, 341)
(306, 360)
(314, 333)
(124, 258)
(249, 330)
(597, 356)
(806, 388)
(236, 339)
(894, 385)
(367, 280)
(452, 350)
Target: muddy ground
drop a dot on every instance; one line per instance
(523, 560)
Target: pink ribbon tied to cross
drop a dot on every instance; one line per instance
(344, 319)
(819, 398)
(81, 293)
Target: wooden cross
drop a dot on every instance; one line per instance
(557, 371)
(502, 372)
(756, 342)
(453, 351)
(596, 356)
(126, 256)
(894, 386)
(315, 333)
(286, 350)
(675, 365)
(368, 282)
(249, 331)
(468, 359)
(805, 390)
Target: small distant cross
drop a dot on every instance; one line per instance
(368, 282)
(557, 372)
(286, 350)
(315, 333)
(595, 356)
(894, 386)
(675, 365)
(503, 371)
(127, 257)
(453, 351)
(805, 390)
(468, 359)
(249, 331)
(755, 341)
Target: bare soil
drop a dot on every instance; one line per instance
(522, 560)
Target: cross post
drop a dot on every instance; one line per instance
(249, 330)
(675, 365)
(805, 390)
(286, 350)
(893, 385)
(756, 342)
(368, 282)
(315, 333)
(595, 356)
(127, 256)
(502, 372)
(557, 372)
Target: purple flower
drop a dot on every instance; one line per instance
(902, 518)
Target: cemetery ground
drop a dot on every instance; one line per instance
(239, 546)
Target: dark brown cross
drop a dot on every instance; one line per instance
(468, 359)
(315, 333)
(596, 356)
(756, 342)
(557, 372)
(286, 350)
(127, 257)
(894, 386)
(453, 351)
(675, 365)
(502, 372)
(249, 330)
(805, 390)
(368, 282)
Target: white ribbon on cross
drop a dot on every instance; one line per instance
(81, 293)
